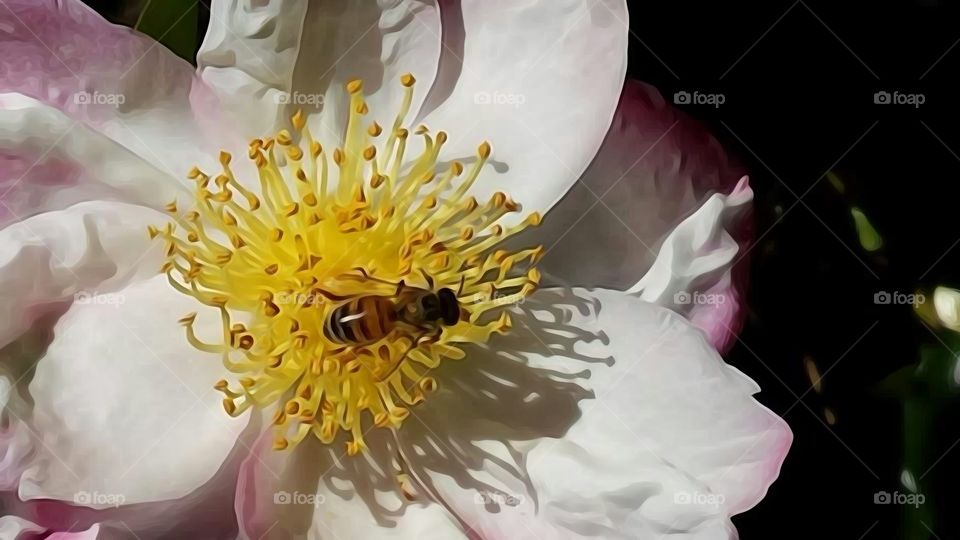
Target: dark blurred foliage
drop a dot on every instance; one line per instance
(799, 79)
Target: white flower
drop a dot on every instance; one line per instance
(603, 413)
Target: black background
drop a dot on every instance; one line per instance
(799, 79)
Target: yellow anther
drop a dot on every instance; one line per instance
(354, 86)
(484, 150)
(407, 79)
(298, 119)
(374, 130)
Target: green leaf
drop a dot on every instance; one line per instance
(174, 23)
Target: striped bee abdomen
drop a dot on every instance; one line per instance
(361, 320)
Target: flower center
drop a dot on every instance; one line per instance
(337, 303)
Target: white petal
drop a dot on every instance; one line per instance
(268, 60)
(539, 80)
(124, 407)
(632, 427)
(248, 55)
(693, 272)
(87, 248)
(316, 492)
(376, 42)
(12, 527)
(51, 161)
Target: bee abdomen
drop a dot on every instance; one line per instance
(361, 320)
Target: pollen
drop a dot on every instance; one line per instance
(274, 259)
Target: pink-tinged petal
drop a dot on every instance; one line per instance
(90, 534)
(110, 77)
(655, 168)
(698, 271)
(601, 416)
(49, 161)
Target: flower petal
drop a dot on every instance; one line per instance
(665, 438)
(698, 271)
(125, 409)
(281, 56)
(314, 491)
(656, 166)
(539, 80)
(89, 247)
(13, 527)
(49, 161)
(108, 76)
(248, 55)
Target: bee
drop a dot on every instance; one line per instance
(366, 319)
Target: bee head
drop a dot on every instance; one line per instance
(449, 306)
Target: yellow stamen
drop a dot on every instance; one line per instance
(284, 266)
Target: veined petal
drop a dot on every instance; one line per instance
(666, 439)
(124, 407)
(49, 161)
(540, 80)
(107, 76)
